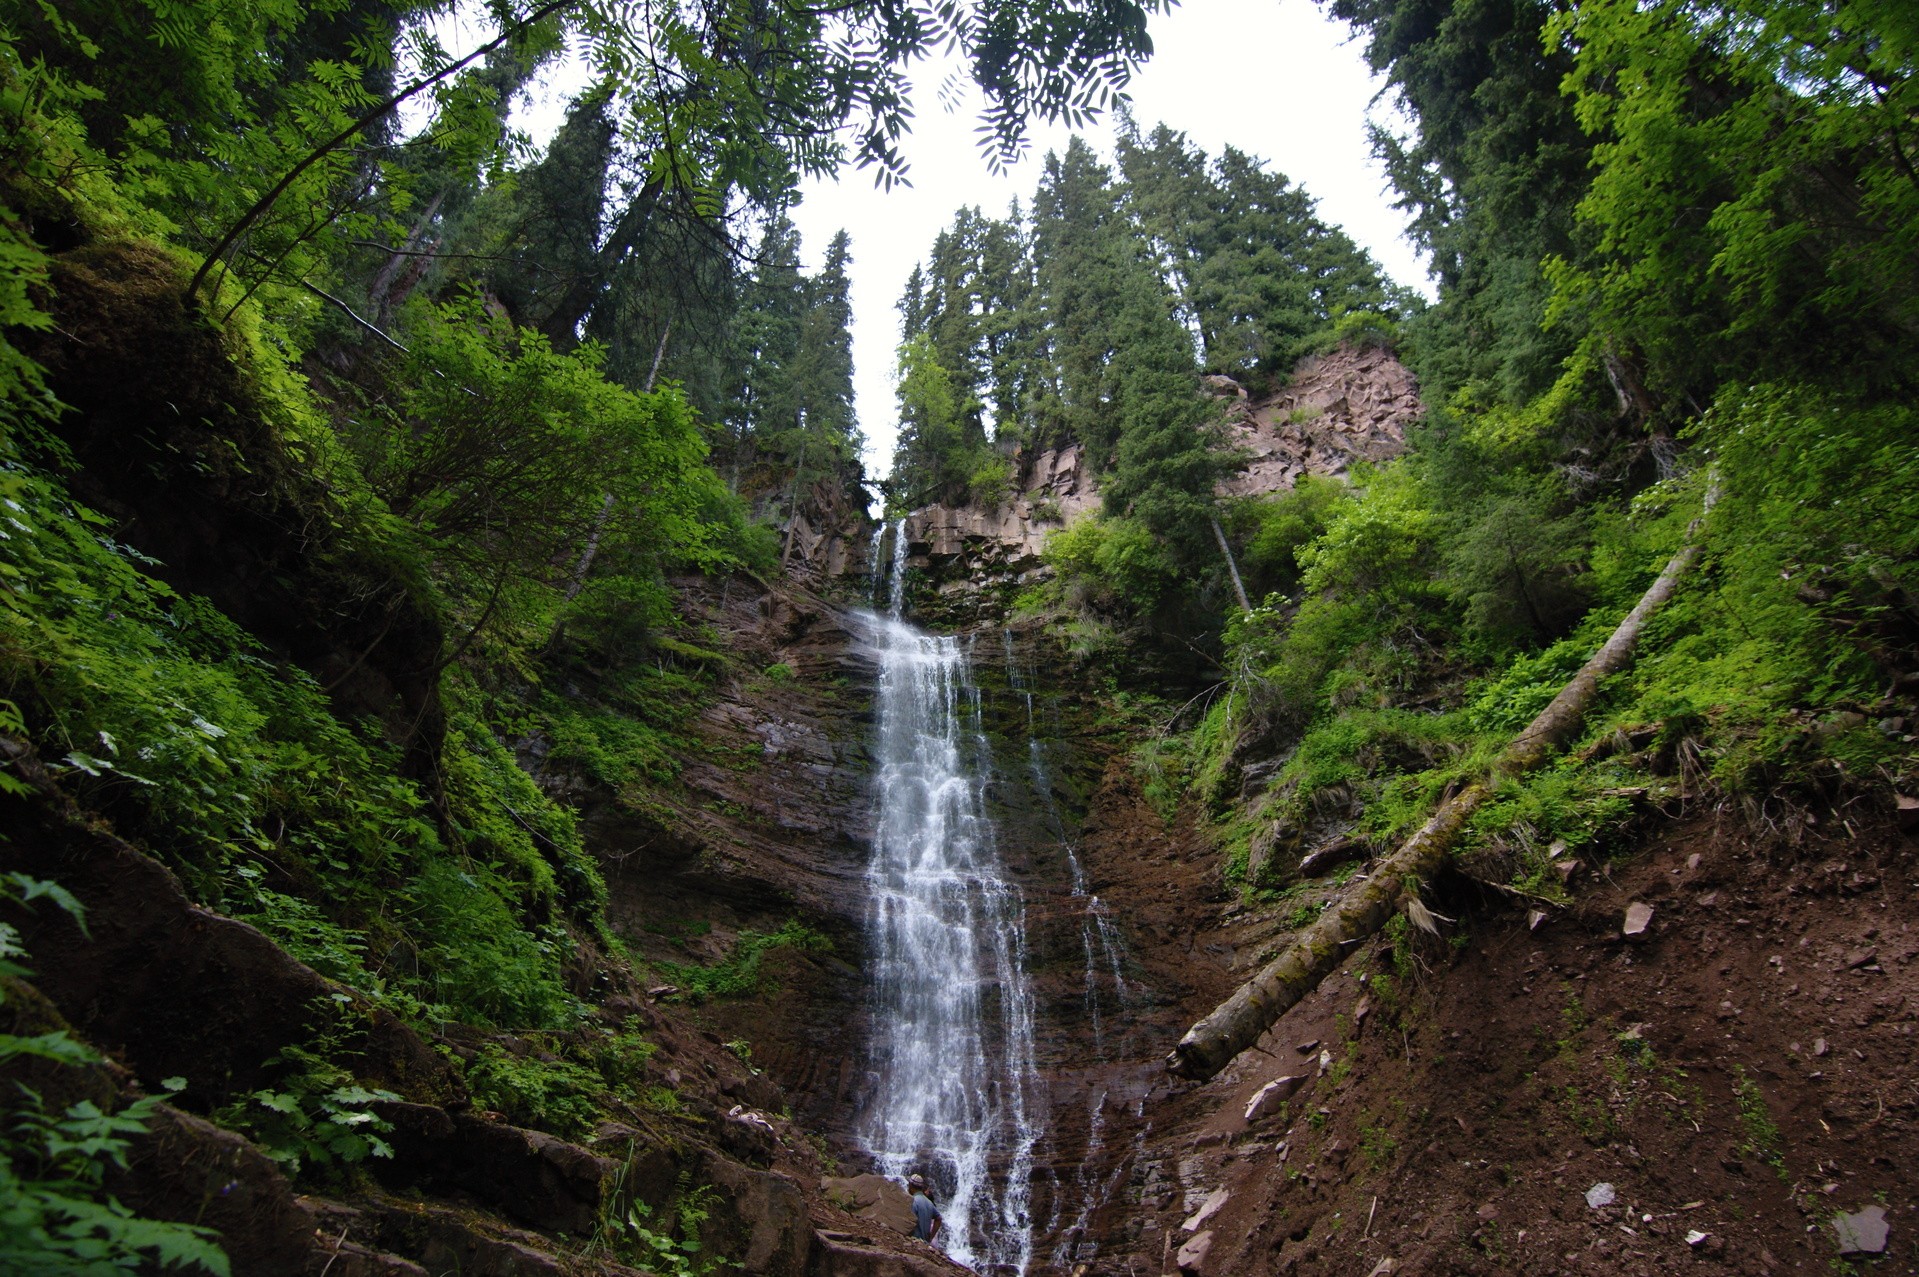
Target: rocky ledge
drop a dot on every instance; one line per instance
(1348, 406)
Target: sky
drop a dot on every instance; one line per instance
(1276, 79)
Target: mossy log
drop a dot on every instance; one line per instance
(1237, 1024)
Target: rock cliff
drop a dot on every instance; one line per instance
(1348, 406)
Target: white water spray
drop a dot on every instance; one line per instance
(952, 1052)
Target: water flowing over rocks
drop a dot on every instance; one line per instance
(952, 1029)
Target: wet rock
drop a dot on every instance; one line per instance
(1267, 1099)
(1601, 1195)
(873, 1197)
(1863, 1232)
(1192, 1256)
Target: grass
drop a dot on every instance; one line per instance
(1763, 1139)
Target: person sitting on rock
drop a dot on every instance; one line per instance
(926, 1220)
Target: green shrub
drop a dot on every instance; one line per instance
(1112, 563)
(477, 962)
(552, 1095)
(57, 1219)
(315, 1119)
(739, 974)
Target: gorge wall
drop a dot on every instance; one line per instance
(1123, 905)
(1439, 1105)
(1347, 406)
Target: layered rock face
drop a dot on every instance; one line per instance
(1115, 900)
(1121, 908)
(1349, 406)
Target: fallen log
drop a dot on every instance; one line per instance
(1237, 1024)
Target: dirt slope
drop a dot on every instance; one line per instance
(1745, 1070)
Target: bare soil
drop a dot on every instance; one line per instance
(1740, 1074)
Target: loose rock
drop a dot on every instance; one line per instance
(1192, 1256)
(1863, 1232)
(1267, 1099)
(1908, 811)
(1601, 1194)
(1638, 918)
(1209, 1208)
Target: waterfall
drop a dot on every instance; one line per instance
(1104, 954)
(952, 1051)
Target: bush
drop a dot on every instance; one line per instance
(1111, 563)
(57, 1220)
(739, 974)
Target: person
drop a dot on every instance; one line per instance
(926, 1220)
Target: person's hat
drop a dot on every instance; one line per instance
(916, 1181)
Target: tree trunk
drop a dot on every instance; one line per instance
(659, 353)
(1239, 586)
(562, 323)
(380, 291)
(578, 580)
(793, 503)
(1237, 1024)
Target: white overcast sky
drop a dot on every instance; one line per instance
(1277, 79)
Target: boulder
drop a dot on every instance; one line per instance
(872, 1197)
(1863, 1232)
(760, 1217)
(542, 1181)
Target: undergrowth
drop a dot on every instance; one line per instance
(738, 975)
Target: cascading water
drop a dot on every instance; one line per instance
(1104, 951)
(952, 1052)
